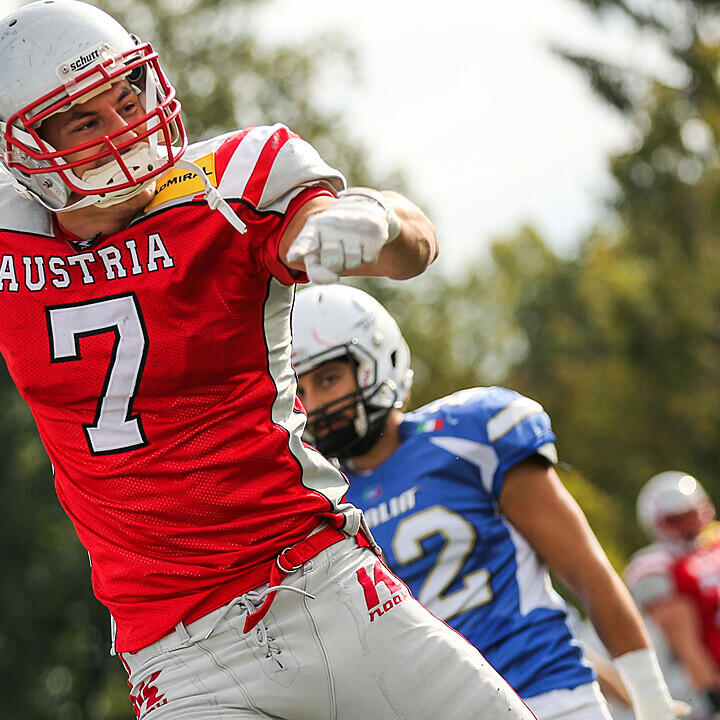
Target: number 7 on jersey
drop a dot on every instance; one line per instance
(115, 429)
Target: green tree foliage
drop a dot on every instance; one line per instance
(626, 355)
(458, 335)
(51, 646)
(54, 636)
(675, 25)
(228, 76)
(620, 342)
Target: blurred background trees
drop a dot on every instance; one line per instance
(620, 341)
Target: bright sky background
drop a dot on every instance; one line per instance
(491, 129)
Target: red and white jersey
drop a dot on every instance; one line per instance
(662, 571)
(157, 366)
(649, 573)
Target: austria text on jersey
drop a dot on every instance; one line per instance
(34, 272)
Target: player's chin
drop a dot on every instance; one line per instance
(135, 203)
(139, 201)
(145, 196)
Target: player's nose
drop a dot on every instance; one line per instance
(114, 123)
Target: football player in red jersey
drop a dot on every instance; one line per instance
(146, 290)
(676, 579)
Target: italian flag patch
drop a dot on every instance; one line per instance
(430, 425)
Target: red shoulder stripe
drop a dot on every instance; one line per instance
(225, 152)
(258, 178)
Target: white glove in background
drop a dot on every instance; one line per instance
(352, 231)
(641, 675)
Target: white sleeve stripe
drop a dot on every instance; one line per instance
(549, 452)
(510, 416)
(242, 163)
(317, 472)
(479, 454)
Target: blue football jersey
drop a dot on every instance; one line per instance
(433, 508)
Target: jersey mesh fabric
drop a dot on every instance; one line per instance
(195, 512)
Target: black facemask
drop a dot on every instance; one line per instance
(344, 442)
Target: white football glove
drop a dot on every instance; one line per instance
(651, 700)
(352, 231)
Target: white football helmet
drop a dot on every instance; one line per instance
(55, 54)
(341, 322)
(668, 494)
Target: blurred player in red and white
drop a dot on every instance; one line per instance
(146, 290)
(676, 579)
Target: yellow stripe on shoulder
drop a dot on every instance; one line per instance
(177, 183)
(709, 535)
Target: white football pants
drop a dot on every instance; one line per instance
(585, 702)
(361, 648)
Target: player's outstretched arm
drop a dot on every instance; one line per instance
(362, 232)
(678, 620)
(536, 502)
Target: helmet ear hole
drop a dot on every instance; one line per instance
(393, 358)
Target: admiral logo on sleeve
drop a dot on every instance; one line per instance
(179, 183)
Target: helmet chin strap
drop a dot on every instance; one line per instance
(24, 192)
(352, 439)
(360, 423)
(212, 195)
(143, 155)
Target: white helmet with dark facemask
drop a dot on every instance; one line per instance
(670, 494)
(339, 322)
(56, 54)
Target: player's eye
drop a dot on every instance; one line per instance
(88, 125)
(129, 107)
(329, 379)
